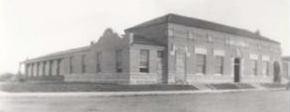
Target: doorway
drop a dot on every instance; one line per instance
(237, 67)
(180, 68)
(159, 65)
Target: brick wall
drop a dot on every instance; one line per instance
(115, 78)
(157, 33)
(190, 38)
(152, 77)
(106, 46)
(174, 39)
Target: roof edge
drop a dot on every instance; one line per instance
(58, 54)
(171, 15)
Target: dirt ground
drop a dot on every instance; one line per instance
(251, 101)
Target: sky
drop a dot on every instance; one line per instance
(31, 28)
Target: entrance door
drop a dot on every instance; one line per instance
(180, 68)
(237, 67)
(159, 65)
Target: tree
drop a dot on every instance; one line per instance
(6, 76)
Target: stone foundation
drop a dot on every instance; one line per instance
(145, 78)
(115, 78)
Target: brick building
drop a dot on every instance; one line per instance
(171, 49)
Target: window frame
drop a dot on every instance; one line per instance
(219, 65)
(265, 68)
(118, 57)
(43, 68)
(201, 64)
(83, 63)
(144, 68)
(58, 62)
(71, 69)
(50, 67)
(98, 62)
(254, 67)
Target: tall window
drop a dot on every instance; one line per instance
(219, 64)
(50, 67)
(37, 68)
(265, 67)
(43, 68)
(201, 63)
(32, 69)
(70, 65)
(254, 67)
(144, 61)
(58, 66)
(98, 65)
(118, 58)
(27, 69)
(83, 62)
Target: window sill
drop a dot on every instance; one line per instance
(199, 74)
(217, 75)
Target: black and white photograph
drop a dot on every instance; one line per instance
(144, 55)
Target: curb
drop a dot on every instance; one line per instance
(128, 93)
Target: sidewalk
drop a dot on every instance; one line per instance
(126, 93)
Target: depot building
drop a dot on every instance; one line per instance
(171, 49)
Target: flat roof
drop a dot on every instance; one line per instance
(58, 54)
(194, 22)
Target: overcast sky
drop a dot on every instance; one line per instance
(31, 28)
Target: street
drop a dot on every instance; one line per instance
(250, 101)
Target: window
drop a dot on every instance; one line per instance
(98, 65)
(219, 64)
(160, 54)
(83, 62)
(32, 69)
(27, 69)
(58, 66)
(201, 63)
(118, 60)
(265, 68)
(50, 67)
(144, 61)
(70, 65)
(254, 67)
(37, 68)
(43, 68)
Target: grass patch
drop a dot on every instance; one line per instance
(245, 86)
(231, 86)
(224, 86)
(274, 85)
(86, 87)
